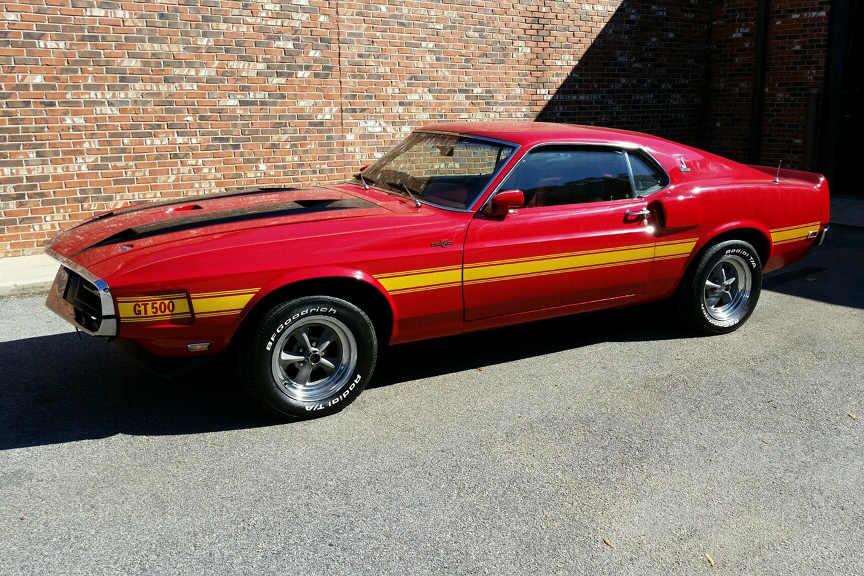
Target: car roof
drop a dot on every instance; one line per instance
(531, 133)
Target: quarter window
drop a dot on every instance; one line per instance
(647, 179)
(554, 175)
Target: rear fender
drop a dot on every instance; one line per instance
(710, 236)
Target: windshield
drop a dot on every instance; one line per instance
(443, 169)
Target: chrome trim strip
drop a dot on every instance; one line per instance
(626, 146)
(469, 134)
(630, 173)
(74, 266)
(58, 305)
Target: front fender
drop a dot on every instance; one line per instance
(319, 274)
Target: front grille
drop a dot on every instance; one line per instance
(84, 298)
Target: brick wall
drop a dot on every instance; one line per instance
(644, 69)
(795, 65)
(105, 103)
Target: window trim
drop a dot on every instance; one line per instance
(652, 163)
(626, 148)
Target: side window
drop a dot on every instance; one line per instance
(553, 175)
(647, 179)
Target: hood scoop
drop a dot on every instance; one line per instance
(185, 208)
(202, 219)
(193, 199)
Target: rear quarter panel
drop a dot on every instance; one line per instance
(730, 199)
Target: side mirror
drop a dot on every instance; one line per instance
(505, 201)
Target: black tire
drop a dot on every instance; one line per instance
(735, 269)
(334, 374)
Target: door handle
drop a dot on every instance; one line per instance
(644, 213)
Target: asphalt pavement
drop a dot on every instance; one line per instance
(608, 443)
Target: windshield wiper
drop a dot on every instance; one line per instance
(362, 179)
(407, 189)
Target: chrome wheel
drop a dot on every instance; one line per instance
(727, 288)
(314, 358)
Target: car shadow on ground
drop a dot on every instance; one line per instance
(832, 273)
(475, 350)
(64, 388)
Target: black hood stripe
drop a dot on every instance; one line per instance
(201, 220)
(190, 200)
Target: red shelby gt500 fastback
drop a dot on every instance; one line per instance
(461, 227)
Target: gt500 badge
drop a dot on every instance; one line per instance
(150, 308)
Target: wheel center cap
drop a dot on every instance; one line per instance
(314, 357)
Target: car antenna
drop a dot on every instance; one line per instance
(777, 177)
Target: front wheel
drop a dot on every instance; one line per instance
(724, 287)
(310, 357)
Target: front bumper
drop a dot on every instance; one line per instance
(82, 299)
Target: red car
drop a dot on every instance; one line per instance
(461, 227)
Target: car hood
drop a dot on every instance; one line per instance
(138, 227)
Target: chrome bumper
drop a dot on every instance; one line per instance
(106, 322)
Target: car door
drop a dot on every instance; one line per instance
(581, 236)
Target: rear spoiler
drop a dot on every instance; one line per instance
(817, 181)
(810, 178)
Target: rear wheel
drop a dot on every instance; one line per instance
(310, 357)
(724, 287)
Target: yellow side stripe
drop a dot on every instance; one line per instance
(204, 305)
(562, 271)
(676, 241)
(225, 293)
(421, 271)
(424, 288)
(793, 234)
(201, 305)
(219, 313)
(790, 240)
(559, 263)
(416, 280)
(150, 298)
(672, 257)
(157, 318)
(808, 225)
(677, 249)
(554, 256)
(408, 281)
